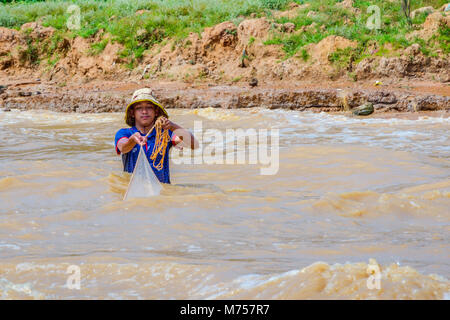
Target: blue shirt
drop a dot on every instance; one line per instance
(129, 159)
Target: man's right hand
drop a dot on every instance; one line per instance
(126, 145)
(137, 138)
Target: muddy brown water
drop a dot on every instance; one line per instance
(351, 195)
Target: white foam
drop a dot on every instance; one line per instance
(9, 246)
(7, 286)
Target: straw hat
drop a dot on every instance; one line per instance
(144, 94)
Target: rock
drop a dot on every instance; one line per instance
(141, 12)
(291, 13)
(444, 77)
(445, 8)
(382, 97)
(288, 27)
(256, 28)
(432, 103)
(322, 50)
(25, 93)
(430, 26)
(253, 82)
(36, 30)
(8, 35)
(315, 100)
(348, 4)
(9, 38)
(224, 34)
(345, 4)
(312, 26)
(293, 5)
(384, 107)
(391, 67)
(364, 69)
(413, 49)
(421, 10)
(363, 110)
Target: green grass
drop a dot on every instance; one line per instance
(275, 4)
(339, 21)
(293, 43)
(98, 47)
(344, 59)
(237, 79)
(444, 39)
(52, 62)
(29, 54)
(305, 55)
(163, 18)
(175, 19)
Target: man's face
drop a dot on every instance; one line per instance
(144, 113)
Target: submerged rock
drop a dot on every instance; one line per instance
(364, 110)
(253, 82)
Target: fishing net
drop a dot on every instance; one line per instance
(144, 182)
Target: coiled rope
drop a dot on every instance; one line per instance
(161, 140)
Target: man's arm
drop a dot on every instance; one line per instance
(125, 145)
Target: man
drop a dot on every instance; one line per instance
(141, 114)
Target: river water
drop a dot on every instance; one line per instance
(358, 209)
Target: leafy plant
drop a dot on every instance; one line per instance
(98, 47)
(304, 54)
(274, 4)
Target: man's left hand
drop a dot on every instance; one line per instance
(166, 124)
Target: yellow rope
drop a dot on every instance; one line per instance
(161, 140)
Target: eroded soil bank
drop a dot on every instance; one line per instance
(112, 96)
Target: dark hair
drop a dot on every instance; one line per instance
(130, 114)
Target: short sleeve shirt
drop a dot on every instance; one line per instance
(129, 159)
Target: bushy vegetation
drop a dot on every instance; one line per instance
(323, 18)
(140, 24)
(159, 19)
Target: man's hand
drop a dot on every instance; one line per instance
(183, 135)
(167, 124)
(137, 138)
(126, 145)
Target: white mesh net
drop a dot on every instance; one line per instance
(144, 182)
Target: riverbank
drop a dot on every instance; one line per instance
(112, 96)
(260, 42)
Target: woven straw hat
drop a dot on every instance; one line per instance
(144, 94)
